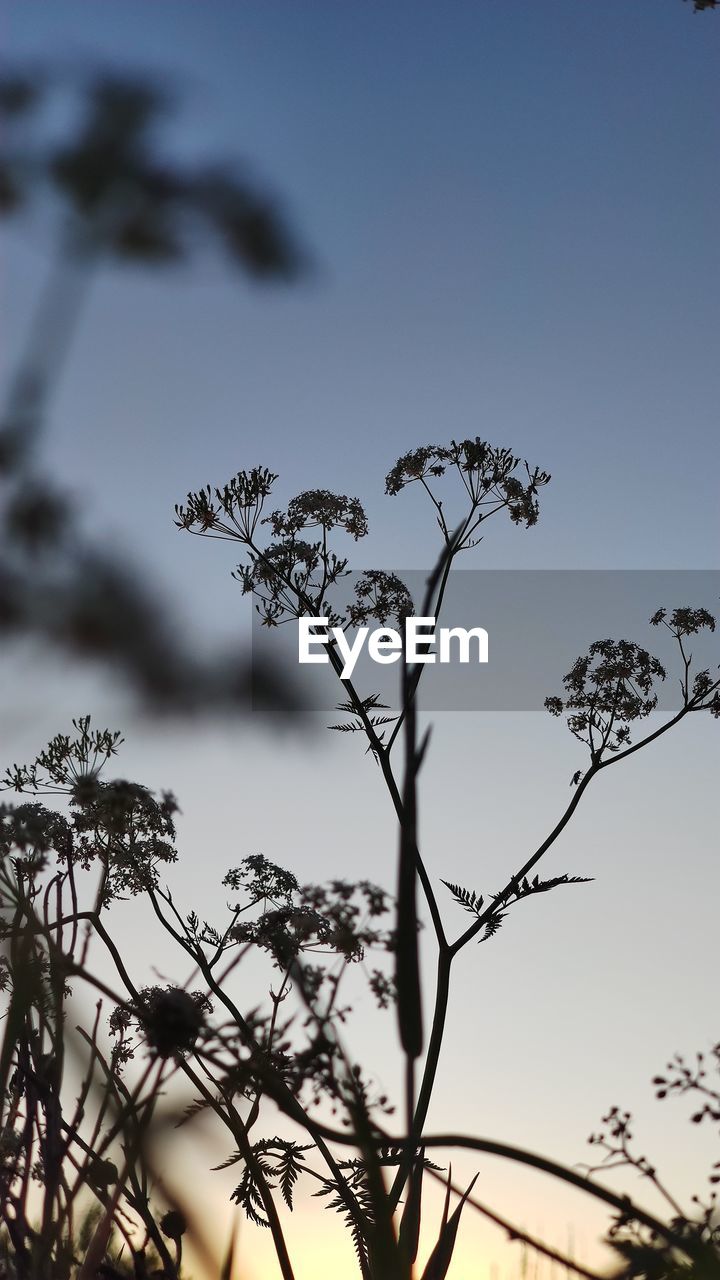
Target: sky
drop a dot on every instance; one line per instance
(511, 211)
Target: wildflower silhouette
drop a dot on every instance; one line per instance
(65, 875)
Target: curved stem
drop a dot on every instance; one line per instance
(512, 884)
(519, 1155)
(244, 1147)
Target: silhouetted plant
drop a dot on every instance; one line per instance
(61, 872)
(608, 692)
(645, 1255)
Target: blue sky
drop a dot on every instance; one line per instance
(512, 209)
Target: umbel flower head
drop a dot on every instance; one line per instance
(173, 1224)
(488, 478)
(171, 1019)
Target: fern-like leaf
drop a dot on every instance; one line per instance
(492, 924)
(466, 898)
(536, 885)
(247, 1195)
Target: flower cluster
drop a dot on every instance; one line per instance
(606, 690)
(487, 474)
(130, 832)
(66, 762)
(232, 511)
(33, 831)
(119, 825)
(332, 920)
(382, 596)
(291, 577)
(169, 1018)
(262, 880)
(320, 509)
(704, 693)
(684, 621)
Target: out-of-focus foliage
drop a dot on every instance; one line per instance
(119, 195)
(113, 195)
